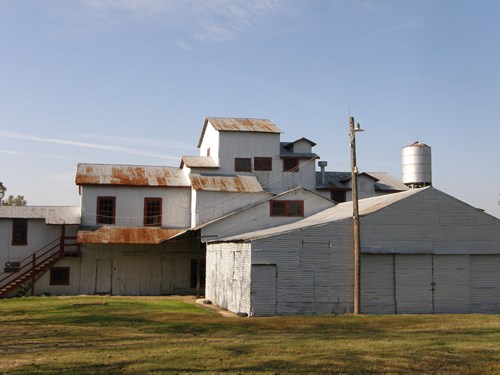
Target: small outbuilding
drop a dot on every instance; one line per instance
(423, 251)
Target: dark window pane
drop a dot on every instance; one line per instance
(152, 211)
(291, 165)
(262, 164)
(105, 210)
(20, 232)
(59, 276)
(243, 165)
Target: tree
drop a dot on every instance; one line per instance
(14, 201)
(11, 200)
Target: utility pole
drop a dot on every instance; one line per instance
(353, 128)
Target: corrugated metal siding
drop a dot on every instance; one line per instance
(263, 290)
(314, 272)
(485, 283)
(452, 290)
(377, 284)
(140, 269)
(414, 284)
(430, 221)
(228, 276)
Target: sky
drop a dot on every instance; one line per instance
(132, 81)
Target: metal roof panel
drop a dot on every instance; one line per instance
(127, 235)
(230, 184)
(130, 175)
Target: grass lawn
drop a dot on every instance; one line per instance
(108, 335)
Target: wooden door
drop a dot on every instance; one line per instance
(104, 272)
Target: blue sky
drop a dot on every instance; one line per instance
(131, 82)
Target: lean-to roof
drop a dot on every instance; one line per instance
(229, 184)
(127, 235)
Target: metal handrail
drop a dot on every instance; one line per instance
(31, 262)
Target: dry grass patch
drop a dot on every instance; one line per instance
(102, 335)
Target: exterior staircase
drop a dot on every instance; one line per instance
(31, 268)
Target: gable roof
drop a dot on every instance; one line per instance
(230, 124)
(341, 180)
(130, 175)
(51, 214)
(303, 139)
(339, 212)
(286, 151)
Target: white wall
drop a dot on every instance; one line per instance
(314, 269)
(213, 204)
(39, 235)
(130, 204)
(210, 141)
(140, 269)
(228, 276)
(258, 216)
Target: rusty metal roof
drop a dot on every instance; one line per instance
(239, 125)
(51, 214)
(198, 162)
(230, 184)
(130, 175)
(127, 235)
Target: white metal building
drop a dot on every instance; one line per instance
(423, 251)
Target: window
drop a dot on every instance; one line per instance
(194, 270)
(105, 210)
(59, 276)
(338, 196)
(20, 232)
(152, 212)
(262, 164)
(243, 164)
(287, 208)
(291, 165)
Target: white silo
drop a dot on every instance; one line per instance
(417, 166)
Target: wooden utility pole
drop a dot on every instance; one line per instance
(353, 127)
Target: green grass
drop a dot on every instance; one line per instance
(109, 335)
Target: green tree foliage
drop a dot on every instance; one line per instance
(11, 200)
(14, 201)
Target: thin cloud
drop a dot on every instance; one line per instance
(205, 21)
(97, 146)
(135, 141)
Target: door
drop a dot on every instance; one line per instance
(167, 276)
(263, 290)
(451, 284)
(414, 284)
(104, 272)
(485, 283)
(377, 284)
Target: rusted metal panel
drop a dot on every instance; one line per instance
(230, 184)
(198, 162)
(129, 175)
(51, 214)
(243, 124)
(239, 125)
(121, 235)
